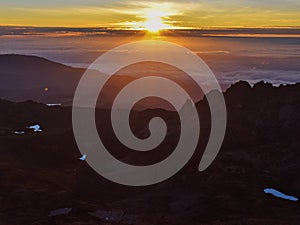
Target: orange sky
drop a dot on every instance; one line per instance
(147, 14)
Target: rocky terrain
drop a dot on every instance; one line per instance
(44, 182)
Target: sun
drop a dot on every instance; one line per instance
(154, 21)
(153, 17)
(154, 25)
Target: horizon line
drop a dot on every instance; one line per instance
(134, 29)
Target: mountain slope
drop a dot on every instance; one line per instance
(25, 78)
(33, 78)
(42, 172)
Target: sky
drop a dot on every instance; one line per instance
(143, 14)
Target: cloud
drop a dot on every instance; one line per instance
(275, 77)
(187, 13)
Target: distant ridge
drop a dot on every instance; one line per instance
(38, 79)
(25, 60)
(35, 78)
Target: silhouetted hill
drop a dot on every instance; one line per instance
(33, 78)
(41, 172)
(25, 78)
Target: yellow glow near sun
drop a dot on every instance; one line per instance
(152, 17)
(154, 21)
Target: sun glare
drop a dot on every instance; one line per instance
(154, 21)
(153, 17)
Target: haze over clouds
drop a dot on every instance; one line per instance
(234, 58)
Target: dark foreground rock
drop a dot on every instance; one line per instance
(41, 172)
